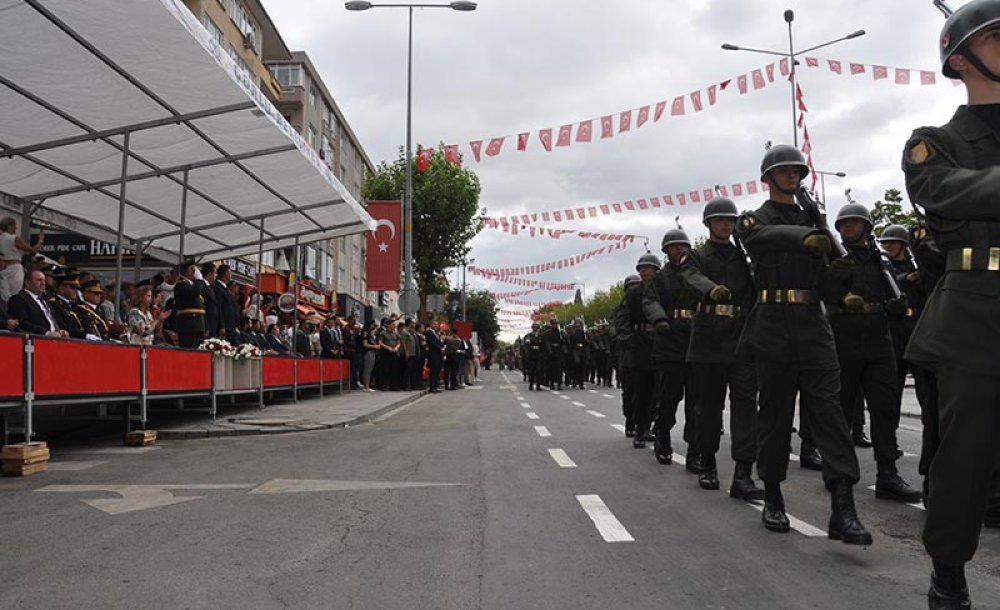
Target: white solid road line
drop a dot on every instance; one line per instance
(797, 524)
(577, 403)
(609, 527)
(916, 505)
(597, 414)
(542, 431)
(532, 415)
(561, 458)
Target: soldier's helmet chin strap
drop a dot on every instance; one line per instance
(774, 185)
(967, 53)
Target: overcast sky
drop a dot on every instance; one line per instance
(524, 65)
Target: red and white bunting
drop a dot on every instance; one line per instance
(511, 275)
(515, 227)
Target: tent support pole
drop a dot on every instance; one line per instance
(184, 207)
(260, 269)
(121, 226)
(295, 316)
(139, 250)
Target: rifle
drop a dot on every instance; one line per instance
(816, 216)
(883, 262)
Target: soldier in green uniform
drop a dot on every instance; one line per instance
(63, 303)
(554, 353)
(952, 172)
(669, 304)
(94, 325)
(579, 354)
(531, 350)
(638, 369)
(720, 275)
(189, 305)
(860, 295)
(789, 336)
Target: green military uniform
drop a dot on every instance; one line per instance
(635, 333)
(189, 312)
(553, 353)
(579, 355)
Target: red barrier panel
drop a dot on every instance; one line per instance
(278, 371)
(65, 368)
(178, 370)
(308, 371)
(12, 365)
(333, 370)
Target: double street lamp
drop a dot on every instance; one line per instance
(789, 17)
(822, 180)
(408, 298)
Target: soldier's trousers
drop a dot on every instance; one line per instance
(555, 371)
(643, 399)
(819, 393)
(710, 381)
(963, 466)
(872, 373)
(672, 387)
(627, 398)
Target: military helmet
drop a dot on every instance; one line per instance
(648, 260)
(782, 155)
(632, 279)
(674, 236)
(895, 233)
(720, 207)
(853, 210)
(554, 320)
(961, 25)
(534, 326)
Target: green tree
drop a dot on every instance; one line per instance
(596, 308)
(446, 213)
(890, 212)
(481, 310)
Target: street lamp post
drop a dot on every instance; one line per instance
(465, 265)
(789, 17)
(408, 300)
(822, 181)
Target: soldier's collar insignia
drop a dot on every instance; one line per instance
(919, 153)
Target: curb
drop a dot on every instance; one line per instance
(289, 428)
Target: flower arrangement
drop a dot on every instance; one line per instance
(218, 347)
(248, 351)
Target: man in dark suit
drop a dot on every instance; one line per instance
(224, 301)
(213, 314)
(189, 304)
(31, 310)
(435, 357)
(327, 340)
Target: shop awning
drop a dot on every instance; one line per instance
(94, 91)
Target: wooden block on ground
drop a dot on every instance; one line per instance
(31, 453)
(140, 438)
(16, 469)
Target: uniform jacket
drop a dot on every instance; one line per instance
(227, 310)
(952, 172)
(579, 346)
(714, 337)
(553, 342)
(189, 295)
(662, 295)
(635, 331)
(213, 315)
(772, 236)
(67, 316)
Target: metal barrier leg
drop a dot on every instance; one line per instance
(295, 381)
(321, 380)
(29, 387)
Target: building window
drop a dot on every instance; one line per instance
(289, 75)
(213, 29)
(311, 137)
(312, 94)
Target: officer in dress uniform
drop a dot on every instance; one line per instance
(63, 303)
(554, 352)
(789, 336)
(95, 326)
(669, 304)
(638, 370)
(859, 299)
(189, 306)
(719, 273)
(952, 172)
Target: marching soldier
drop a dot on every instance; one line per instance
(718, 272)
(620, 334)
(789, 336)
(531, 346)
(638, 369)
(859, 298)
(579, 348)
(951, 171)
(554, 352)
(189, 306)
(669, 303)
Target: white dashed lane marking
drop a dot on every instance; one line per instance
(916, 505)
(532, 415)
(607, 524)
(597, 414)
(619, 427)
(797, 524)
(578, 403)
(564, 397)
(542, 431)
(561, 458)
(608, 396)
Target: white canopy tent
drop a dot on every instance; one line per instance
(126, 121)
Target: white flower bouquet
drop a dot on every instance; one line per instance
(248, 351)
(218, 347)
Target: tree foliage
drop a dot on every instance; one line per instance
(446, 214)
(481, 310)
(598, 307)
(890, 212)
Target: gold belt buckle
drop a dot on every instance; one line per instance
(966, 259)
(793, 296)
(994, 264)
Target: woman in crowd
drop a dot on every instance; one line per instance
(390, 347)
(369, 343)
(143, 323)
(12, 249)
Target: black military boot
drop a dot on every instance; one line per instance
(860, 440)
(890, 486)
(693, 463)
(844, 522)
(663, 451)
(743, 487)
(531, 387)
(639, 440)
(810, 457)
(992, 519)
(708, 478)
(949, 590)
(773, 516)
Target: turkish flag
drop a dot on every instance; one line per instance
(741, 83)
(857, 69)
(565, 134)
(880, 72)
(584, 130)
(522, 140)
(696, 100)
(677, 107)
(476, 146)
(660, 107)
(902, 76)
(607, 127)
(758, 79)
(927, 78)
(423, 159)
(545, 135)
(451, 155)
(712, 95)
(382, 263)
(493, 148)
(643, 117)
(625, 121)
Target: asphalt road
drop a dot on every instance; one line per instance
(492, 497)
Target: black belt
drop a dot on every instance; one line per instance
(681, 314)
(644, 327)
(974, 259)
(720, 309)
(866, 308)
(912, 312)
(797, 297)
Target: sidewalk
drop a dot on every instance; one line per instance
(313, 413)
